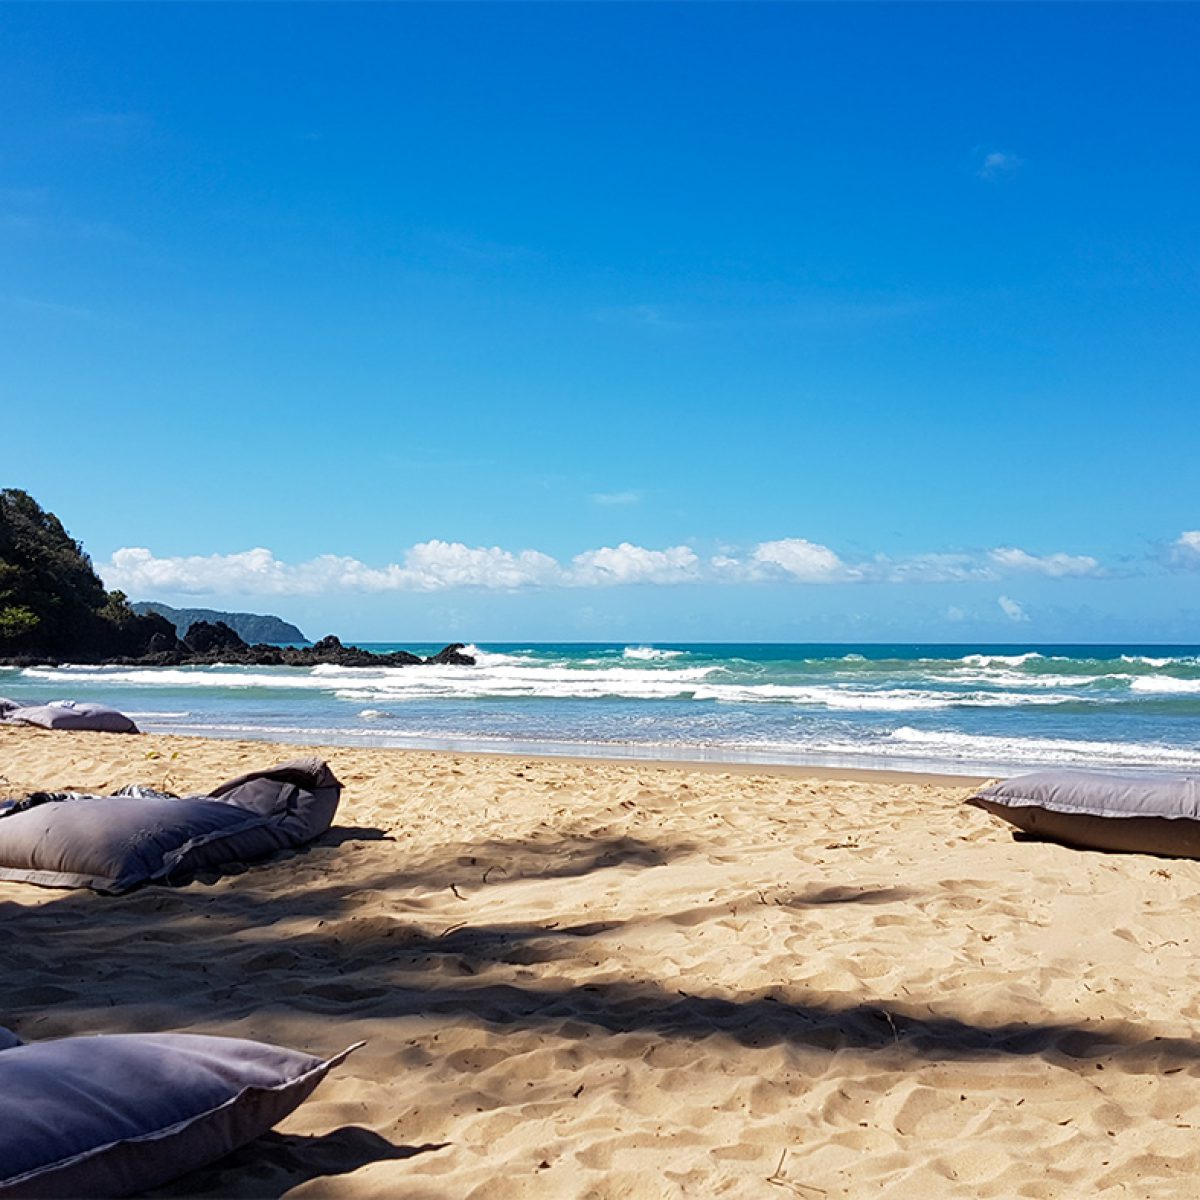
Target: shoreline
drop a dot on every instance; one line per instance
(330, 750)
(782, 770)
(716, 758)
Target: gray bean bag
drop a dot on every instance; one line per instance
(113, 1115)
(68, 714)
(114, 843)
(1145, 814)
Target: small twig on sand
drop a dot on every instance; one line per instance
(452, 929)
(493, 867)
(887, 1016)
(454, 889)
(792, 1185)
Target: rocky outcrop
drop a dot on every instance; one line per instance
(208, 643)
(54, 609)
(206, 637)
(451, 656)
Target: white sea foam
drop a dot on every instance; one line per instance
(1017, 679)
(493, 658)
(1008, 660)
(649, 653)
(1146, 660)
(522, 680)
(375, 735)
(966, 747)
(874, 700)
(898, 700)
(518, 679)
(1166, 685)
(192, 677)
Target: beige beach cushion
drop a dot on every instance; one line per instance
(1144, 814)
(113, 1115)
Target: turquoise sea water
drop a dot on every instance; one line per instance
(951, 708)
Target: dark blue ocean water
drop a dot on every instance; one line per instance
(969, 708)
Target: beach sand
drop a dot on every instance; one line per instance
(601, 979)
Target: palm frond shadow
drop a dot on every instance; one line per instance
(85, 961)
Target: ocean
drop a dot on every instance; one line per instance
(990, 710)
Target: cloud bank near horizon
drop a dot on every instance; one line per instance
(436, 565)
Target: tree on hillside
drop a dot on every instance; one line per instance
(52, 602)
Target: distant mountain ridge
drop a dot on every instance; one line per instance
(250, 627)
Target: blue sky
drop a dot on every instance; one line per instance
(658, 322)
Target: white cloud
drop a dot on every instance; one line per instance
(1186, 549)
(616, 497)
(437, 565)
(1055, 565)
(633, 564)
(428, 566)
(931, 568)
(135, 569)
(1011, 609)
(805, 561)
(997, 163)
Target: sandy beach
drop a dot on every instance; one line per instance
(601, 979)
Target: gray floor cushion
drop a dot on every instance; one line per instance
(114, 843)
(1146, 814)
(69, 714)
(113, 1115)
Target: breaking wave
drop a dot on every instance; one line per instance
(962, 708)
(649, 654)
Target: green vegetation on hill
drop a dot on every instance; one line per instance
(52, 602)
(250, 627)
(54, 608)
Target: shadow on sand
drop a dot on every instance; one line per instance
(82, 962)
(273, 1164)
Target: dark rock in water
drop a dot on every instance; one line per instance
(451, 656)
(159, 643)
(330, 650)
(208, 643)
(206, 636)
